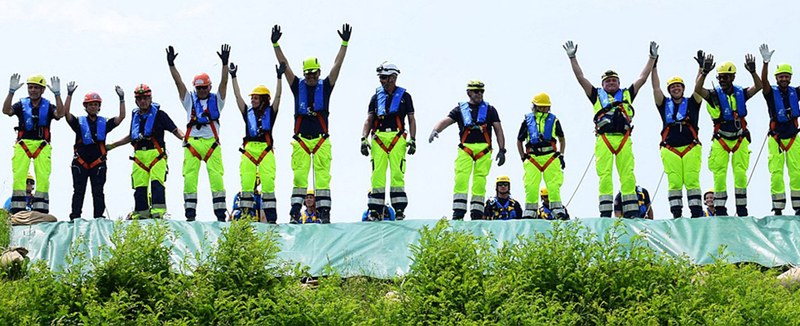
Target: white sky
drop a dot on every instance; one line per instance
(514, 47)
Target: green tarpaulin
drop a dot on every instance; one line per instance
(381, 249)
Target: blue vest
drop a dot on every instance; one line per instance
(466, 113)
(533, 129)
(780, 109)
(725, 106)
(252, 126)
(642, 205)
(302, 93)
(86, 132)
(200, 114)
(504, 212)
(27, 112)
(545, 213)
(136, 128)
(670, 116)
(602, 95)
(396, 97)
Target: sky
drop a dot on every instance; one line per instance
(515, 47)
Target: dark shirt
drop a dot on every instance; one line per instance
(681, 135)
(389, 121)
(310, 126)
(260, 137)
(37, 133)
(89, 153)
(162, 123)
(491, 210)
(787, 129)
(476, 136)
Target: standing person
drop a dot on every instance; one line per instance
(476, 119)
(502, 206)
(201, 141)
(708, 199)
(727, 107)
(613, 113)
(258, 157)
(34, 114)
(148, 124)
(782, 104)
(539, 131)
(89, 162)
(311, 110)
(388, 110)
(681, 151)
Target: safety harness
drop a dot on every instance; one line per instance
(302, 111)
(382, 114)
(254, 129)
(728, 115)
(41, 123)
(781, 116)
(504, 212)
(201, 117)
(677, 118)
(537, 139)
(87, 138)
(137, 134)
(469, 126)
(606, 119)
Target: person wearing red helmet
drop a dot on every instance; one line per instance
(89, 161)
(201, 141)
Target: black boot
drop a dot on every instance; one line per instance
(458, 214)
(741, 210)
(475, 215)
(720, 211)
(398, 215)
(325, 215)
(677, 212)
(294, 214)
(778, 212)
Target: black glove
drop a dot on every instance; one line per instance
(709, 64)
(280, 69)
(412, 146)
(700, 58)
(501, 157)
(344, 33)
(224, 54)
(276, 34)
(750, 63)
(561, 158)
(232, 68)
(525, 157)
(364, 146)
(171, 55)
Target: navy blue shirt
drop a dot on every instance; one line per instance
(161, 124)
(681, 135)
(37, 133)
(90, 152)
(475, 136)
(784, 130)
(310, 126)
(389, 122)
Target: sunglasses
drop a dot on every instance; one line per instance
(201, 88)
(310, 72)
(477, 90)
(503, 184)
(383, 77)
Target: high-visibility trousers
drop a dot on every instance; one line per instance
(191, 171)
(266, 173)
(301, 164)
(778, 158)
(604, 164)
(718, 164)
(465, 168)
(154, 178)
(553, 179)
(683, 172)
(20, 163)
(395, 160)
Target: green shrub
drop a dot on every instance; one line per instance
(5, 229)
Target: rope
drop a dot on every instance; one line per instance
(753, 169)
(649, 206)
(581, 181)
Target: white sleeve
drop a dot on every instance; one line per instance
(188, 104)
(220, 102)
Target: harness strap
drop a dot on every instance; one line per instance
(257, 161)
(542, 167)
(305, 147)
(94, 163)
(160, 156)
(28, 152)
(728, 149)
(621, 144)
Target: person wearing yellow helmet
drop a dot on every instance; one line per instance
(311, 110)
(30, 183)
(502, 206)
(201, 141)
(681, 152)
(708, 200)
(310, 215)
(89, 161)
(536, 144)
(387, 112)
(783, 108)
(727, 107)
(476, 119)
(613, 114)
(258, 156)
(34, 115)
(255, 209)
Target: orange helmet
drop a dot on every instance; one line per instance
(92, 97)
(201, 80)
(142, 90)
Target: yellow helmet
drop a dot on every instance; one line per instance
(37, 80)
(310, 191)
(260, 90)
(475, 85)
(675, 80)
(711, 190)
(541, 99)
(543, 192)
(503, 178)
(726, 67)
(30, 177)
(310, 64)
(783, 68)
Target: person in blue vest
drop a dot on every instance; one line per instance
(311, 110)
(34, 114)
(201, 141)
(385, 213)
(502, 206)
(89, 161)
(149, 171)
(644, 206)
(254, 211)
(783, 107)
(708, 200)
(613, 116)
(30, 184)
(309, 215)
(476, 119)
(727, 107)
(386, 115)
(544, 211)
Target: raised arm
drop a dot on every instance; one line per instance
(176, 76)
(240, 103)
(224, 54)
(121, 116)
(276, 101)
(766, 56)
(337, 64)
(572, 49)
(648, 67)
(55, 87)
(71, 87)
(276, 35)
(658, 95)
(750, 65)
(14, 85)
(708, 65)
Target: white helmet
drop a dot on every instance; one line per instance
(386, 69)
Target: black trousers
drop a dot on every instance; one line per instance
(97, 177)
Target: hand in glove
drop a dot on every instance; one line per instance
(345, 32)
(700, 58)
(120, 92)
(412, 146)
(232, 68)
(653, 50)
(55, 86)
(171, 55)
(766, 54)
(71, 87)
(708, 64)
(276, 34)
(224, 54)
(561, 158)
(364, 146)
(15, 84)
(280, 69)
(501, 157)
(750, 63)
(571, 49)
(434, 134)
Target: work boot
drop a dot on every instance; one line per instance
(605, 214)
(741, 210)
(294, 214)
(325, 215)
(458, 214)
(697, 211)
(373, 216)
(677, 212)
(475, 215)
(398, 215)
(797, 212)
(778, 212)
(631, 214)
(721, 211)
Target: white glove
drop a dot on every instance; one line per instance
(55, 86)
(71, 87)
(15, 83)
(653, 50)
(766, 54)
(434, 134)
(120, 92)
(571, 49)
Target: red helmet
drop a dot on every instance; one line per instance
(201, 80)
(92, 97)
(142, 90)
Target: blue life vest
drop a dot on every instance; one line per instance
(27, 112)
(545, 213)
(252, 126)
(136, 128)
(642, 205)
(533, 129)
(670, 116)
(504, 212)
(780, 109)
(725, 106)
(396, 98)
(602, 95)
(302, 94)
(86, 132)
(466, 114)
(204, 116)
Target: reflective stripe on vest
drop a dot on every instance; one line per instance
(725, 107)
(780, 108)
(670, 116)
(533, 128)
(466, 113)
(86, 133)
(301, 108)
(622, 95)
(136, 126)
(212, 110)
(396, 98)
(27, 112)
(253, 129)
